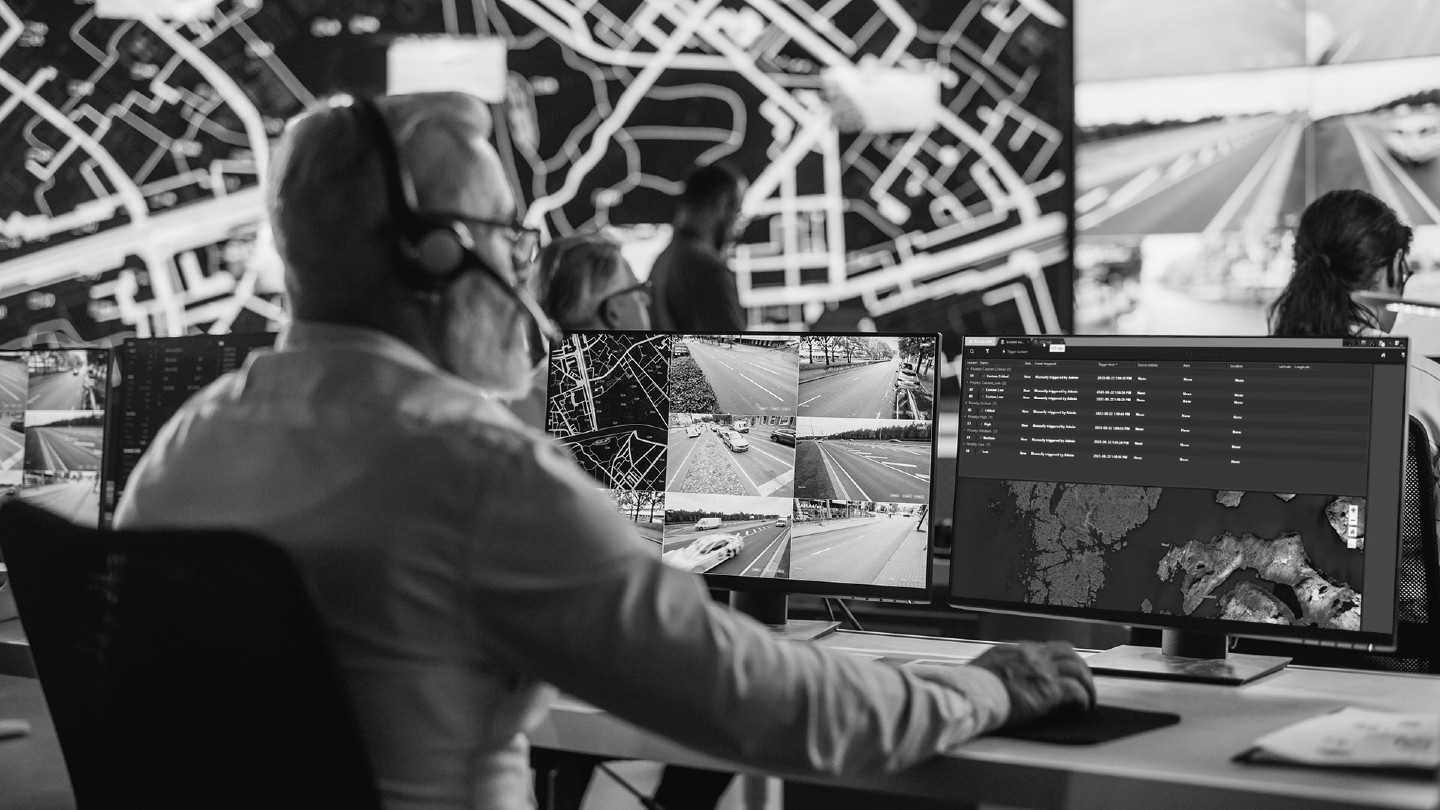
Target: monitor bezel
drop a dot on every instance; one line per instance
(890, 593)
(1299, 634)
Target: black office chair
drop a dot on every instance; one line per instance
(1418, 641)
(183, 669)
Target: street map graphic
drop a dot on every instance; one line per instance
(608, 404)
(898, 150)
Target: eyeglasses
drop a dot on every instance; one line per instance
(1401, 268)
(524, 241)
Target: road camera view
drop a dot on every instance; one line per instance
(859, 541)
(608, 403)
(731, 455)
(1277, 558)
(863, 459)
(728, 480)
(866, 376)
(73, 379)
(720, 534)
(734, 374)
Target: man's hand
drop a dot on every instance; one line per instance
(1040, 677)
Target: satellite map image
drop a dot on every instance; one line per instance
(1280, 558)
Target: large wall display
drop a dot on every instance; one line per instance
(899, 151)
(1206, 126)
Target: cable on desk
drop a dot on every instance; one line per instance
(645, 801)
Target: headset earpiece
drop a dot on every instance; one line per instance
(429, 254)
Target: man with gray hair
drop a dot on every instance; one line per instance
(464, 565)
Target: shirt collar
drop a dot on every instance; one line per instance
(318, 335)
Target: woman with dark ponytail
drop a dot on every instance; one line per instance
(1350, 242)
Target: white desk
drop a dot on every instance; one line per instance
(1181, 766)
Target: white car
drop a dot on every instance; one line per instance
(692, 431)
(734, 441)
(782, 521)
(705, 553)
(905, 376)
(1414, 136)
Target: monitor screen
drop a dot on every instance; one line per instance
(773, 462)
(52, 423)
(156, 376)
(1235, 486)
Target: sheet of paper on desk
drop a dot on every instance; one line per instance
(1357, 738)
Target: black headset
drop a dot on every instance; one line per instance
(430, 252)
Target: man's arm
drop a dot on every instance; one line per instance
(572, 597)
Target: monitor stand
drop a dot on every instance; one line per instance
(1186, 656)
(770, 610)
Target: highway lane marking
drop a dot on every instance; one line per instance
(1414, 190)
(858, 488)
(685, 460)
(898, 464)
(1380, 185)
(12, 459)
(753, 486)
(810, 400)
(763, 388)
(777, 482)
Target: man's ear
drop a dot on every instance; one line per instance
(608, 313)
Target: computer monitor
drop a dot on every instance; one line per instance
(52, 420)
(156, 376)
(772, 463)
(1415, 318)
(1207, 486)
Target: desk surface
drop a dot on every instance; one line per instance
(1185, 765)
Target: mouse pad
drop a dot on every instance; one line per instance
(1102, 724)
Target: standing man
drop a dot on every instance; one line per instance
(694, 290)
(464, 565)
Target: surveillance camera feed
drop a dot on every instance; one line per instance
(802, 458)
(52, 415)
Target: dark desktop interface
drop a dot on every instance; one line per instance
(780, 457)
(1230, 485)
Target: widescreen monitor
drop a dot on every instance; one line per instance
(52, 425)
(1207, 486)
(769, 462)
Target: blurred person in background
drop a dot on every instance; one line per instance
(694, 289)
(583, 283)
(1350, 242)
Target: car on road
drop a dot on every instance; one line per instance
(704, 553)
(783, 436)
(905, 376)
(734, 441)
(895, 441)
(707, 523)
(782, 521)
(742, 426)
(692, 431)
(1413, 135)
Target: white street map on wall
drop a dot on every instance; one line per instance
(899, 151)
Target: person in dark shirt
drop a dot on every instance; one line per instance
(693, 288)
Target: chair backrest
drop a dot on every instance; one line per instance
(183, 669)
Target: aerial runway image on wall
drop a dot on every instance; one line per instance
(1193, 164)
